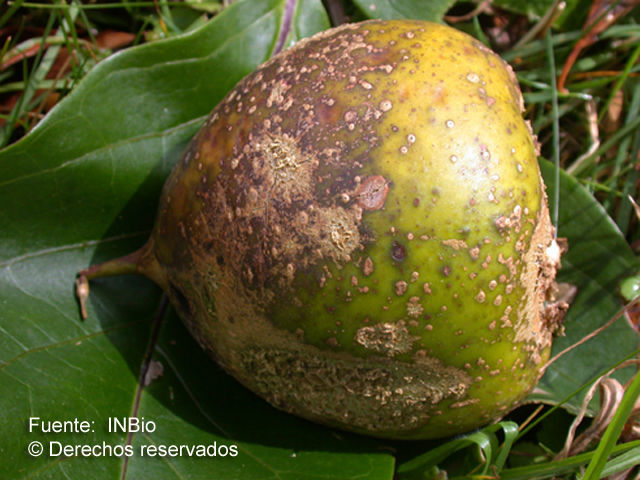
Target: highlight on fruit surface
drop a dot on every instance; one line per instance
(359, 233)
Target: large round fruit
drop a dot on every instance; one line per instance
(359, 233)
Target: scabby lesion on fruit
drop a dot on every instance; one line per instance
(291, 224)
(386, 338)
(290, 170)
(375, 397)
(541, 262)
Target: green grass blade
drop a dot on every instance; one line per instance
(44, 61)
(42, 85)
(548, 95)
(625, 210)
(495, 456)
(622, 462)
(539, 46)
(68, 26)
(510, 430)
(587, 162)
(560, 467)
(10, 12)
(618, 85)
(556, 128)
(432, 458)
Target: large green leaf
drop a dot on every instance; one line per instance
(431, 10)
(83, 187)
(597, 260)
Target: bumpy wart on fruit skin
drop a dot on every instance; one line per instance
(359, 233)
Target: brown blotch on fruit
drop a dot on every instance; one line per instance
(367, 267)
(401, 287)
(372, 192)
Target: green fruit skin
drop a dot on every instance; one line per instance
(359, 233)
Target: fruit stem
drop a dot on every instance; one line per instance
(141, 261)
(117, 266)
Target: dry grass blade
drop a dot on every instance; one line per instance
(611, 393)
(483, 7)
(636, 207)
(594, 132)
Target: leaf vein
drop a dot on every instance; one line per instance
(44, 348)
(74, 246)
(17, 284)
(105, 149)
